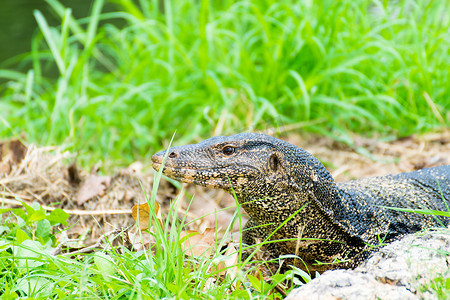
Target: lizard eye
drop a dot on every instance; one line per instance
(228, 150)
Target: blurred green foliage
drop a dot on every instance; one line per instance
(202, 67)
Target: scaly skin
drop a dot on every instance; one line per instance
(340, 222)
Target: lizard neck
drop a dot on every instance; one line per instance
(275, 198)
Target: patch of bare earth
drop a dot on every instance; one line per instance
(100, 203)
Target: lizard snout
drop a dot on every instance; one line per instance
(157, 159)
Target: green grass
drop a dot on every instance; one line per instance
(201, 68)
(212, 67)
(440, 285)
(29, 270)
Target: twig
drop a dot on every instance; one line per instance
(78, 212)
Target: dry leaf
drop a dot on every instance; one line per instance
(18, 150)
(93, 186)
(198, 244)
(230, 265)
(11, 153)
(141, 215)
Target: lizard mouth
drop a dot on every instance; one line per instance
(207, 177)
(203, 177)
(156, 165)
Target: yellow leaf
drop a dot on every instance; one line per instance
(141, 215)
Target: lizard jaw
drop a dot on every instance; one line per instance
(192, 176)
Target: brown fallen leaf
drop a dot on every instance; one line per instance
(141, 215)
(230, 264)
(210, 207)
(11, 153)
(197, 244)
(93, 186)
(18, 150)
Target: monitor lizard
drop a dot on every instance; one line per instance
(332, 225)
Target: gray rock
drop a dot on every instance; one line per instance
(396, 271)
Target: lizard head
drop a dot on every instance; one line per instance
(247, 163)
(222, 162)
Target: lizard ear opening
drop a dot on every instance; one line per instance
(274, 162)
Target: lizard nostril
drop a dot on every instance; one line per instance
(172, 155)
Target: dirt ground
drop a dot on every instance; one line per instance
(99, 203)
